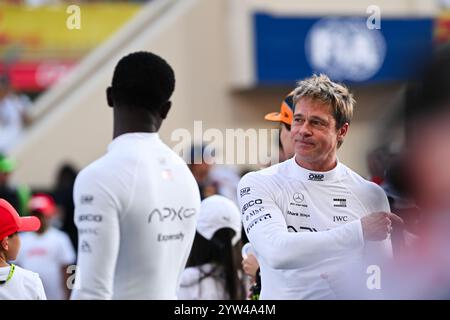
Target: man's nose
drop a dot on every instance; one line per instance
(305, 129)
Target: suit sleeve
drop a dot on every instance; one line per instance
(267, 231)
(378, 251)
(97, 221)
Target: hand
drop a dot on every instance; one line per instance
(250, 265)
(378, 225)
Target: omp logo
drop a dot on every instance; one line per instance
(90, 218)
(316, 177)
(244, 191)
(251, 203)
(172, 214)
(340, 218)
(86, 199)
(257, 220)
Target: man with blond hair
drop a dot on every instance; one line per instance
(310, 215)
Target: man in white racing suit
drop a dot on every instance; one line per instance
(309, 217)
(136, 207)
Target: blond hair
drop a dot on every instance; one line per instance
(337, 96)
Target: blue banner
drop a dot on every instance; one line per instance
(288, 49)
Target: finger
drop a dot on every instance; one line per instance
(395, 218)
(388, 221)
(389, 229)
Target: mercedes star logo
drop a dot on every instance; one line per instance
(298, 197)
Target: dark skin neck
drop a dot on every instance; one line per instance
(129, 119)
(134, 119)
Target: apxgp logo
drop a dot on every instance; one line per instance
(171, 213)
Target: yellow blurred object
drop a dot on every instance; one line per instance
(41, 32)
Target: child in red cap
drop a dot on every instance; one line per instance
(16, 283)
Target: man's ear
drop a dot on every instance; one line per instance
(342, 132)
(164, 110)
(4, 243)
(109, 97)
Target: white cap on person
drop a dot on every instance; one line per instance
(217, 212)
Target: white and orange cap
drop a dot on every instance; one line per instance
(286, 113)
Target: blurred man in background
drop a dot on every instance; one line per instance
(48, 251)
(423, 272)
(63, 194)
(201, 165)
(13, 114)
(284, 117)
(17, 196)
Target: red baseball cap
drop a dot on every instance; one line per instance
(11, 222)
(42, 203)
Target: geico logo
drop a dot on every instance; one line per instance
(171, 213)
(90, 217)
(250, 204)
